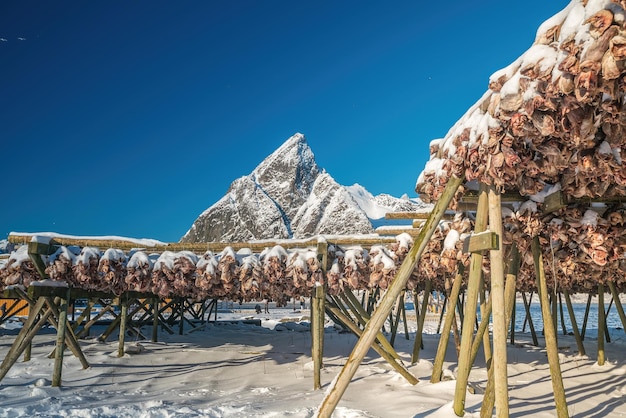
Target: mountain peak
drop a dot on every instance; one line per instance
(288, 196)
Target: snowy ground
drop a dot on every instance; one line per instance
(236, 370)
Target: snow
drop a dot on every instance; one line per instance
(45, 237)
(452, 238)
(590, 218)
(232, 369)
(366, 202)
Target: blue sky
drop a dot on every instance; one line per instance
(132, 118)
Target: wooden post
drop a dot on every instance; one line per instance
(123, 319)
(60, 341)
(618, 304)
(420, 322)
(499, 363)
(555, 318)
(181, 303)
(483, 315)
(471, 300)
(586, 317)
(572, 318)
(317, 318)
(155, 319)
(601, 324)
(563, 326)
(529, 318)
(447, 325)
(549, 332)
(509, 295)
(510, 288)
(418, 310)
(606, 327)
(406, 325)
(394, 325)
(339, 385)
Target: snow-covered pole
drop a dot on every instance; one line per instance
(339, 385)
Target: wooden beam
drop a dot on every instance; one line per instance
(384, 230)
(407, 215)
(202, 247)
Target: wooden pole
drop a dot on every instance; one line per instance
(499, 363)
(586, 317)
(443, 309)
(510, 288)
(60, 341)
(406, 325)
(572, 318)
(447, 325)
(394, 325)
(601, 323)
(563, 326)
(555, 318)
(124, 318)
(549, 332)
(317, 318)
(483, 315)
(529, 318)
(471, 300)
(509, 295)
(418, 310)
(420, 323)
(606, 327)
(618, 304)
(155, 319)
(337, 389)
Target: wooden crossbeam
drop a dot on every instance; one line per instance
(202, 247)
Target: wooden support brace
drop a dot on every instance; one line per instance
(572, 318)
(554, 201)
(25, 336)
(362, 317)
(618, 304)
(394, 362)
(479, 242)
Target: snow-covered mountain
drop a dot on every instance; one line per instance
(289, 196)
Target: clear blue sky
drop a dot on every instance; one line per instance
(132, 117)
